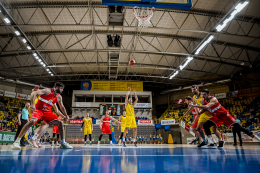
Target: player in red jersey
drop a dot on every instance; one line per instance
(42, 110)
(212, 105)
(105, 129)
(212, 122)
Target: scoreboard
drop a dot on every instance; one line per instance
(114, 109)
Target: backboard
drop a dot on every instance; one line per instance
(176, 4)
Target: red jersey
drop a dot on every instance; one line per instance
(46, 102)
(216, 109)
(106, 121)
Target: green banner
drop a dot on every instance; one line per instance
(7, 137)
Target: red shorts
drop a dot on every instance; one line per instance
(105, 130)
(216, 121)
(196, 124)
(47, 116)
(55, 129)
(226, 118)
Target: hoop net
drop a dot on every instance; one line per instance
(143, 15)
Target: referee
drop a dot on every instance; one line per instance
(236, 131)
(22, 120)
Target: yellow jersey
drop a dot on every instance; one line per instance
(123, 120)
(35, 102)
(198, 102)
(87, 122)
(130, 111)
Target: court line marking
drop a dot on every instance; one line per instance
(136, 155)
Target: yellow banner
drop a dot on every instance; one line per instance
(111, 86)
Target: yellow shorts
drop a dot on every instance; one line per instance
(87, 131)
(123, 129)
(130, 122)
(205, 117)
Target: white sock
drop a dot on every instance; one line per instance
(210, 140)
(35, 136)
(18, 140)
(110, 142)
(62, 141)
(52, 142)
(134, 140)
(98, 142)
(123, 139)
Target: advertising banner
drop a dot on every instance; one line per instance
(168, 122)
(10, 94)
(179, 101)
(145, 122)
(7, 137)
(75, 121)
(220, 95)
(21, 96)
(83, 104)
(141, 105)
(110, 86)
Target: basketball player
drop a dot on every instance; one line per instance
(203, 117)
(212, 122)
(42, 110)
(212, 105)
(43, 124)
(130, 116)
(122, 119)
(105, 129)
(55, 130)
(88, 128)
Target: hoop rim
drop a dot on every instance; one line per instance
(143, 16)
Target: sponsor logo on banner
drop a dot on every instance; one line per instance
(167, 122)
(83, 104)
(141, 105)
(21, 96)
(220, 95)
(75, 121)
(145, 122)
(10, 94)
(7, 137)
(1, 92)
(28, 97)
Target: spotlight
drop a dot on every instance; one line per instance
(7, 20)
(17, 33)
(117, 41)
(109, 41)
(24, 40)
(29, 47)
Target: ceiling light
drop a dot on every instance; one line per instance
(24, 40)
(186, 62)
(29, 47)
(6, 20)
(174, 74)
(34, 54)
(49, 72)
(40, 60)
(52, 74)
(17, 33)
(36, 57)
(44, 65)
(204, 44)
(48, 69)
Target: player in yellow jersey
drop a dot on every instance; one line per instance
(122, 119)
(88, 128)
(130, 116)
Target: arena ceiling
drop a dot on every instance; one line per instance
(71, 38)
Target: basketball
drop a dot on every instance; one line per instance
(132, 62)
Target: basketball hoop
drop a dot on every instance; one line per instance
(143, 16)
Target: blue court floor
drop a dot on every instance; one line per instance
(147, 159)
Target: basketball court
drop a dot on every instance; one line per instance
(111, 53)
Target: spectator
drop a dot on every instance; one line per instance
(47, 133)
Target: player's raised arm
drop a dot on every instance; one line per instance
(136, 98)
(210, 104)
(126, 97)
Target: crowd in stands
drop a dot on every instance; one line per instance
(246, 109)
